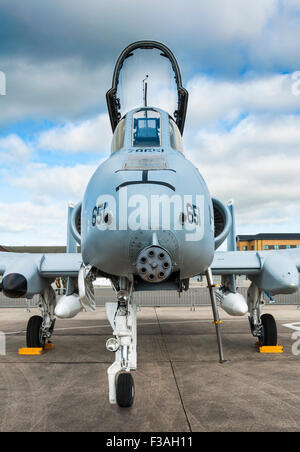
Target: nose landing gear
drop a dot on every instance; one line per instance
(122, 317)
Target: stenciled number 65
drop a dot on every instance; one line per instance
(193, 214)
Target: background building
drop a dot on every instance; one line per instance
(261, 242)
(35, 249)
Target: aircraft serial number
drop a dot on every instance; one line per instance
(98, 216)
(193, 214)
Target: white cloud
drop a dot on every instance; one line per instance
(254, 136)
(257, 164)
(108, 23)
(53, 183)
(41, 219)
(23, 223)
(54, 89)
(59, 65)
(91, 135)
(14, 149)
(219, 99)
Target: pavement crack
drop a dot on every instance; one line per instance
(173, 372)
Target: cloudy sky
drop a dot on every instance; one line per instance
(239, 61)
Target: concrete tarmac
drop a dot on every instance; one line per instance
(180, 386)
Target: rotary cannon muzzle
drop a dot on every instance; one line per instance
(154, 264)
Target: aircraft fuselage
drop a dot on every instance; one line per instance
(143, 196)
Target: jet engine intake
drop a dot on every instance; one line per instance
(14, 285)
(22, 278)
(76, 223)
(222, 221)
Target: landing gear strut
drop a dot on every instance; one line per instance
(40, 328)
(217, 322)
(263, 327)
(122, 317)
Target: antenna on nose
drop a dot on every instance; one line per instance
(145, 86)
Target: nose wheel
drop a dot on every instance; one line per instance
(125, 390)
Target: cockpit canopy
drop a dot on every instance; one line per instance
(147, 128)
(147, 72)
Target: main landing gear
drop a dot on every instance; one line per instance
(40, 328)
(263, 327)
(122, 317)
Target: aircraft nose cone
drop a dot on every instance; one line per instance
(14, 285)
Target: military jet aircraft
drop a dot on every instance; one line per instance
(147, 221)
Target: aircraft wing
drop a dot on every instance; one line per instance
(27, 274)
(236, 263)
(250, 262)
(48, 265)
(274, 271)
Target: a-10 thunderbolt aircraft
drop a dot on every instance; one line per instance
(147, 221)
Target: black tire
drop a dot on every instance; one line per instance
(269, 330)
(125, 390)
(33, 333)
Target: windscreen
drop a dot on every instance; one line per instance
(146, 128)
(147, 74)
(147, 79)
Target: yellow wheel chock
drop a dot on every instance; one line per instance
(30, 351)
(35, 350)
(269, 348)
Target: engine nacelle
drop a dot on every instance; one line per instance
(22, 278)
(76, 223)
(68, 306)
(222, 221)
(232, 303)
